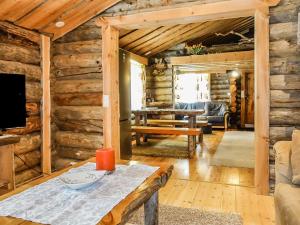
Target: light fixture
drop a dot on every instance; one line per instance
(59, 23)
(234, 73)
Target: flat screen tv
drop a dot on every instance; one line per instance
(12, 101)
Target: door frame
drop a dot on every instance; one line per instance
(184, 14)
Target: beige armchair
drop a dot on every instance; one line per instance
(287, 195)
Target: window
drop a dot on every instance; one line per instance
(137, 85)
(192, 87)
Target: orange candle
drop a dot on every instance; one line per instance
(105, 159)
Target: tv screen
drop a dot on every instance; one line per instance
(12, 101)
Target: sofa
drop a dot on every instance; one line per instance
(287, 194)
(216, 113)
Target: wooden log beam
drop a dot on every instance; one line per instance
(31, 159)
(285, 82)
(32, 72)
(28, 143)
(78, 60)
(79, 112)
(285, 98)
(79, 99)
(81, 34)
(20, 54)
(110, 63)
(186, 14)
(28, 34)
(79, 73)
(285, 116)
(87, 126)
(27, 175)
(218, 57)
(76, 153)
(78, 86)
(78, 47)
(79, 140)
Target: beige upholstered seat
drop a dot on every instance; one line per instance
(287, 203)
(287, 195)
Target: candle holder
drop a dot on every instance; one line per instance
(105, 159)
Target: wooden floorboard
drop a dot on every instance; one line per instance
(195, 184)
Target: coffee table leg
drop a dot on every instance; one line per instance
(151, 210)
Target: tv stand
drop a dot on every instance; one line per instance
(7, 171)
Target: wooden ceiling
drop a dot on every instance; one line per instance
(149, 42)
(41, 15)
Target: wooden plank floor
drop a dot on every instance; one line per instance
(195, 184)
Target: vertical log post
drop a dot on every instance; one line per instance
(110, 66)
(262, 102)
(46, 105)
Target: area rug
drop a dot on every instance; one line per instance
(170, 215)
(163, 146)
(235, 150)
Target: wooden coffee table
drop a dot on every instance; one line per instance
(146, 194)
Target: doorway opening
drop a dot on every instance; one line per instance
(202, 12)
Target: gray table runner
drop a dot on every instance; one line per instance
(54, 203)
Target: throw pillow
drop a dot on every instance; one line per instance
(295, 157)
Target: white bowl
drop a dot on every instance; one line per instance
(81, 179)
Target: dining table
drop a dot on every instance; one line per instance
(142, 115)
(146, 194)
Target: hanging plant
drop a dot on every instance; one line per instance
(198, 49)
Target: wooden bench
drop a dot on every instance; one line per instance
(191, 132)
(183, 123)
(176, 122)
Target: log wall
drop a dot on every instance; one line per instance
(21, 56)
(285, 70)
(77, 94)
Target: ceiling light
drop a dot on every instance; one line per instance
(59, 23)
(235, 73)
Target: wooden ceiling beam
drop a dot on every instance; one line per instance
(219, 57)
(148, 37)
(20, 8)
(79, 15)
(19, 31)
(187, 14)
(199, 31)
(46, 13)
(6, 6)
(135, 35)
(169, 34)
